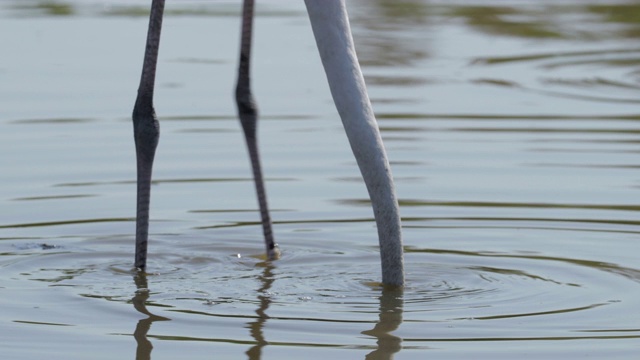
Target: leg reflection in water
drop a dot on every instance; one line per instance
(255, 327)
(143, 351)
(391, 303)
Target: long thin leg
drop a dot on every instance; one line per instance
(146, 132)
(248, 113)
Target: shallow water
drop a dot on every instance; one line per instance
(513, 135)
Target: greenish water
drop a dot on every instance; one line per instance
(513, 131)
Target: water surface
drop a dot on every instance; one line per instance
(513, 133)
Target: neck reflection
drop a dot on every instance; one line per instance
(391, 303)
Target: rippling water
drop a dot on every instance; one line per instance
(513, 132)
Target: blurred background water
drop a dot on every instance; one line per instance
(513, 132)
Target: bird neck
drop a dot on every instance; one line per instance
(332, 31)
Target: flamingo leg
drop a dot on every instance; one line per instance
(146, 130)
(248, 114)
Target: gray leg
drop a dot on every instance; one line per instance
(248, 113)
(146, 132)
